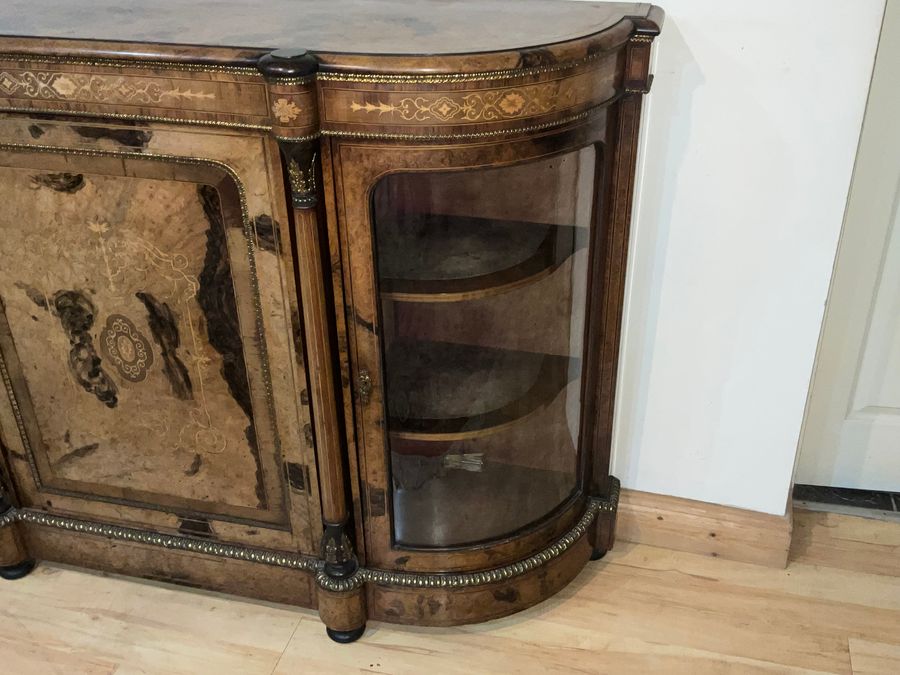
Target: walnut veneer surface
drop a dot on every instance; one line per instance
(364, 27)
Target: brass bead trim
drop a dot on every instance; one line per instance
(140, 118)
(446, 78)
(313, 564)
(299, 139)
(127, 63)
(323, 132)
(20, 422)
(471, 135)
(178, 543)
(450, 580)
(306, 79)
(247, 229)
(641, 38)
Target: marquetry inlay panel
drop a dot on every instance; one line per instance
(349, 105)
(208, 97)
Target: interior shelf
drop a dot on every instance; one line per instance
(441, 391)
(439, 258)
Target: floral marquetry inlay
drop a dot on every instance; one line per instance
(474, 106)
(348, 107)
(285, 111)
(471, 107)
(99, 88)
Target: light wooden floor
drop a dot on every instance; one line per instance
(836, 609)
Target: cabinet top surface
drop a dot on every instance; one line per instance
(404, 27)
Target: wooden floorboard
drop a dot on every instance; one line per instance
(836, 540)
(870, 658)
(835, 609)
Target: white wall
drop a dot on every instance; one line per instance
(750, 135)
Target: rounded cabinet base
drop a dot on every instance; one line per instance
(445, 599)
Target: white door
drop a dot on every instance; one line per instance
(852, 433)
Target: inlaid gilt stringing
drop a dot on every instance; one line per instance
(298, 139)
(474, 135)
(148, 64)
(138, 118)
(445, 78)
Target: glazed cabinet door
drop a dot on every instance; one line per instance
(149, 334)
(470, 270)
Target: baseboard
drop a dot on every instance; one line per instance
(707, 529)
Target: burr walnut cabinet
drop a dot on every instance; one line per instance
(316, 302)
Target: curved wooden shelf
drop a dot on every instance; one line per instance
(463, 258)
(440, 391)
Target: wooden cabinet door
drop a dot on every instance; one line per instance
(149, 333)
(469, 270)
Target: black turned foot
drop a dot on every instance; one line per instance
(13, 572)
(598, 553)
(346, 636)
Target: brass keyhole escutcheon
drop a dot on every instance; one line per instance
(364, 386)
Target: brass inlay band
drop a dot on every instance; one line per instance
(125, 63)
(293, 80)
(444, 78)
(20, 421)
(471, 135)
(141, 118)
(299, 139)
(178, 543)
(312, 564)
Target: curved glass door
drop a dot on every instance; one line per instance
(483, 278)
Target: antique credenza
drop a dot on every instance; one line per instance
(330, 321)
